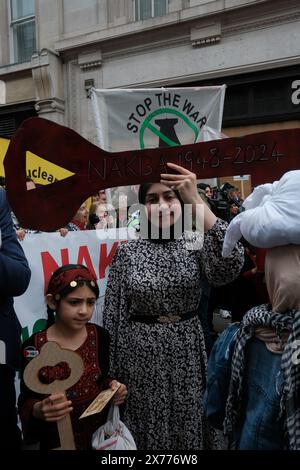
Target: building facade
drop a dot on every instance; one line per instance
(53, 51)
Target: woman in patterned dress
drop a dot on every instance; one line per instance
(153, 290)
(71, 294)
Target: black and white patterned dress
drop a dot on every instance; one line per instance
(164, 365)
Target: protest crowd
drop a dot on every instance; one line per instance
(180, 384)
(150, 231)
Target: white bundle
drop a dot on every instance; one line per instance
(113, 435)
(271, 217)
(208, 133)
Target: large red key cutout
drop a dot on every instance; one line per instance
(266, 156)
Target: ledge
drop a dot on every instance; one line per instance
(15, 68)
(98, 35)
(101, 35)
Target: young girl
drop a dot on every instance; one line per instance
(72, 293)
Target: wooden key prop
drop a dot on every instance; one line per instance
(50, 355)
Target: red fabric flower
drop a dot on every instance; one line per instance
(60, 371)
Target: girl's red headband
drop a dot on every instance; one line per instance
(69, 278)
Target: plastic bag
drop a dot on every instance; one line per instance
(113, 435)
(271, 217)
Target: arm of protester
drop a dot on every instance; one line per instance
(31, 427)
(211, 255)
(14, 269)
(219, 270)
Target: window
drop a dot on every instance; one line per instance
(11, 117)
(149, 8)
(23, 29)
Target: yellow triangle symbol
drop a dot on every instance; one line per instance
(44, 172)
(39, 170)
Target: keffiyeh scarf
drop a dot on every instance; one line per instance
(263, 316)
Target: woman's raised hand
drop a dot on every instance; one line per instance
(185, 182)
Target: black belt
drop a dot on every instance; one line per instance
(163, 318)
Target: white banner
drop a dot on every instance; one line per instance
(45, 252)
(128, 119)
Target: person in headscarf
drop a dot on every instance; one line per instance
(257, 364)
(151, 312)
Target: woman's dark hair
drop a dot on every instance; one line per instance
(67, 288)
(143, 190)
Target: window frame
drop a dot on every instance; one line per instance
(12, 24)
(137, 17)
